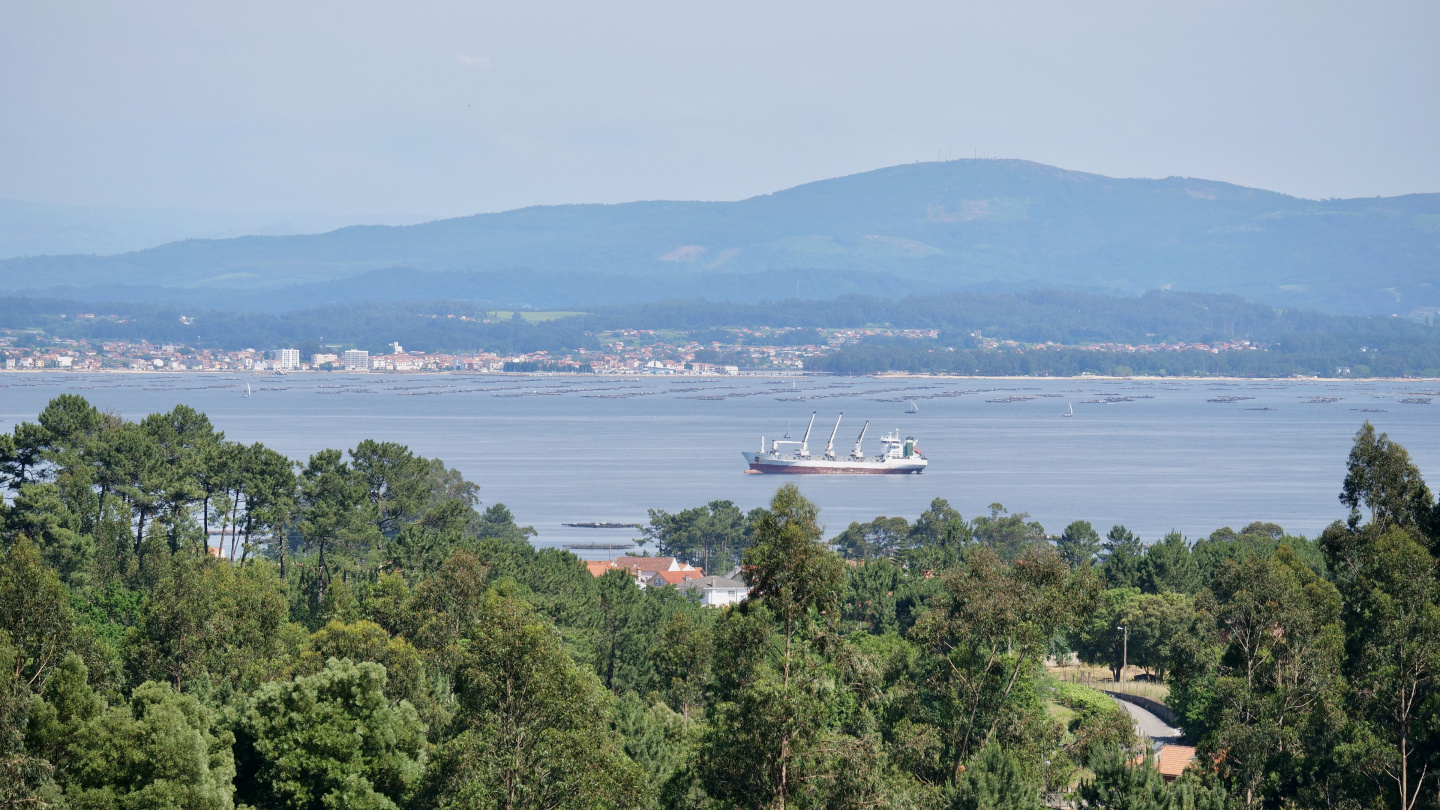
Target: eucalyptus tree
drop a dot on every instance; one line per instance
(984, 642)
(1386, 571)
(533, 727)
(1007, 534)
(773, 687)
(35, 617)
(877, 539)
(1273, 675)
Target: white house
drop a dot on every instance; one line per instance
(717, 591)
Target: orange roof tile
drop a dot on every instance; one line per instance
(646, 563)
(1174, 759)
(675, 577)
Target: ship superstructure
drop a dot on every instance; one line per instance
(897, 456)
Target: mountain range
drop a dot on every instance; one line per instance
(964, 225)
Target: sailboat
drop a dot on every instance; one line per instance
(1070, 412)
(913, 407)
(247, 389)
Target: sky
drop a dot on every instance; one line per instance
(452, 107)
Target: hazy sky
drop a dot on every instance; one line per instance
(461, 106)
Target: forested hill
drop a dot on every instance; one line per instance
(980, 225)
(369, 637)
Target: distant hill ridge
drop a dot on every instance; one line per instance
(965, 225)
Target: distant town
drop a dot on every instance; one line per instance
(623, 351)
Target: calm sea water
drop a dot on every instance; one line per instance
(1154, 455)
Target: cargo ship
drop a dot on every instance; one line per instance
(897, 456)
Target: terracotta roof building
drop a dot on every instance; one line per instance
(1173, 761)
(598, 568)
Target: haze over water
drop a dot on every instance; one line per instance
(557, 450)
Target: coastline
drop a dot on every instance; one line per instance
(758, 375)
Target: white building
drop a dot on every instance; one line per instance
(717, 591)
(356, 360)
(318, 360)
(287, 359)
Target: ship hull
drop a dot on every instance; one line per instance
(784, 466)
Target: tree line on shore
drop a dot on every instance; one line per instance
(368, 636)
(1296, 342)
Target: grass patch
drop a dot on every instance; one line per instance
(1064, 714)
(531, 317)
(1082, 700)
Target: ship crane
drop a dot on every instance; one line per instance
(802, 446)
(857, 453)
(830, 445)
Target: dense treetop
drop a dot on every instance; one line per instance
(368, 634)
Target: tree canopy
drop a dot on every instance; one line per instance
(187, 622)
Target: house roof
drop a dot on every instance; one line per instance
(656, 564)
(1174, 759)
(598, 568)
(714, 582)
(646, 563)
(676, 577)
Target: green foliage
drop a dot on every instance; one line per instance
(24, 774)
(1006, 534)
(788, 568)
(163, 750)
(208, 619)
(532, 725)
(1097, 638)
(331, 740)
(1123, 555)
(680, 658)
(877, 539)
(1078, 544)
(1381, 477)
(376, 640)
(711, 536)
(995, 780)
(1169, 567)
(1122, 783)
(34, 613)
(657, 739)
(984, 642)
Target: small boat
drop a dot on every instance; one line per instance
(1070, 412)
(913, 407)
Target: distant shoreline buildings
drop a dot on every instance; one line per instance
(623, 351)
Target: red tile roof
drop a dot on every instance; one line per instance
(598, 568)
(675, 577)
(646, 563)
(1173, 760)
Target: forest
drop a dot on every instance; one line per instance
(187, 622)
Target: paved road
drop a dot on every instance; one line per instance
(1151, 726)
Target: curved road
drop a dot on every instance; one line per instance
(1148, 724)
